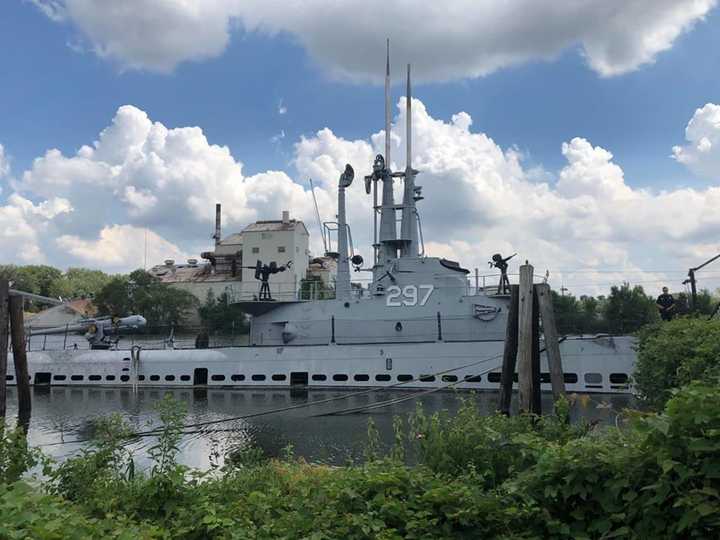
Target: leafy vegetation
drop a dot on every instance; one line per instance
(475, 476)
(220, 315)
(141, 293)
(314, 288)
(625, 310)
(673, 354)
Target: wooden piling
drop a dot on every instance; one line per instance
(509, 353)
(536, 401)
(17, 332)
(552, 345)
(525, 316)
(4, 288)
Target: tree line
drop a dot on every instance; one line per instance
(138, 292)
(625, 310)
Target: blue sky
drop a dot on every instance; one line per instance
(58, 91)
(53, 96)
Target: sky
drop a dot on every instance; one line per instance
(583, 135)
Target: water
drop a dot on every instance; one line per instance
(63, 417)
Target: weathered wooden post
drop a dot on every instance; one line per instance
(4, 288)
(509, 353)
(552, 345)
(22, 377)
(536, 401)
(525, 316)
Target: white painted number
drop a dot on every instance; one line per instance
(429, 289)
(393, 293)
(407, 296)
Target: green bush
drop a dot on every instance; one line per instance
(673, 354)
(494, 447)
(660, 479)
(476, 477)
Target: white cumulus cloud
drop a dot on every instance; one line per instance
(702, 152)
(93, 207)
(121, 247)
(448, 40)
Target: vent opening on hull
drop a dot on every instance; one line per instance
(200, 376)
(42, 377)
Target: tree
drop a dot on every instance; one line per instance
(79, 283)
(567, 313)
(114, 297)
(314, 288)
(628, 309)
(140, 293)
(218, 314)
(36, 279)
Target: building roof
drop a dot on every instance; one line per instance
(232, 240)
(274, 225)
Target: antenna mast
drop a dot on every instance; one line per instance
(317, 214)
(387, 106)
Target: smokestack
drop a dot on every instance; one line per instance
(216, 236)
(285, 217)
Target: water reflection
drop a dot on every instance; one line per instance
(62, 415)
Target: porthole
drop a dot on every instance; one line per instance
(237, 377)
(361, 377)
(169, 377)
(427, 378)
(494, 377)
(449, 378)
(473, 378)
(258, 377)
(77, 377)
(570, 378)
(154, 377)
(544, 377)
(109, 377)
(340, 377)
(124, 378)
(185, 378)
(141, 377)
(279, 377)
(383, 377)
(218, 377)
(59, 377)
(404, 377)
(94, 377)
(618, 378)
(9, 377)
(398, 327)
(319, 377)
(593, 378)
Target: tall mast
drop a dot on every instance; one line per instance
(409, 226)
(408, 122)
(387, 106)
(388, 228)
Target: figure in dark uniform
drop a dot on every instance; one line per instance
(502, 265)
(666, 305)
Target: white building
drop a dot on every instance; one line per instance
(284, 242)
(230, 267)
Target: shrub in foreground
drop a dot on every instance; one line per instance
(476, 477)
(673, 354)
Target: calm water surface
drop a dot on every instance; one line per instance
(63, 416)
